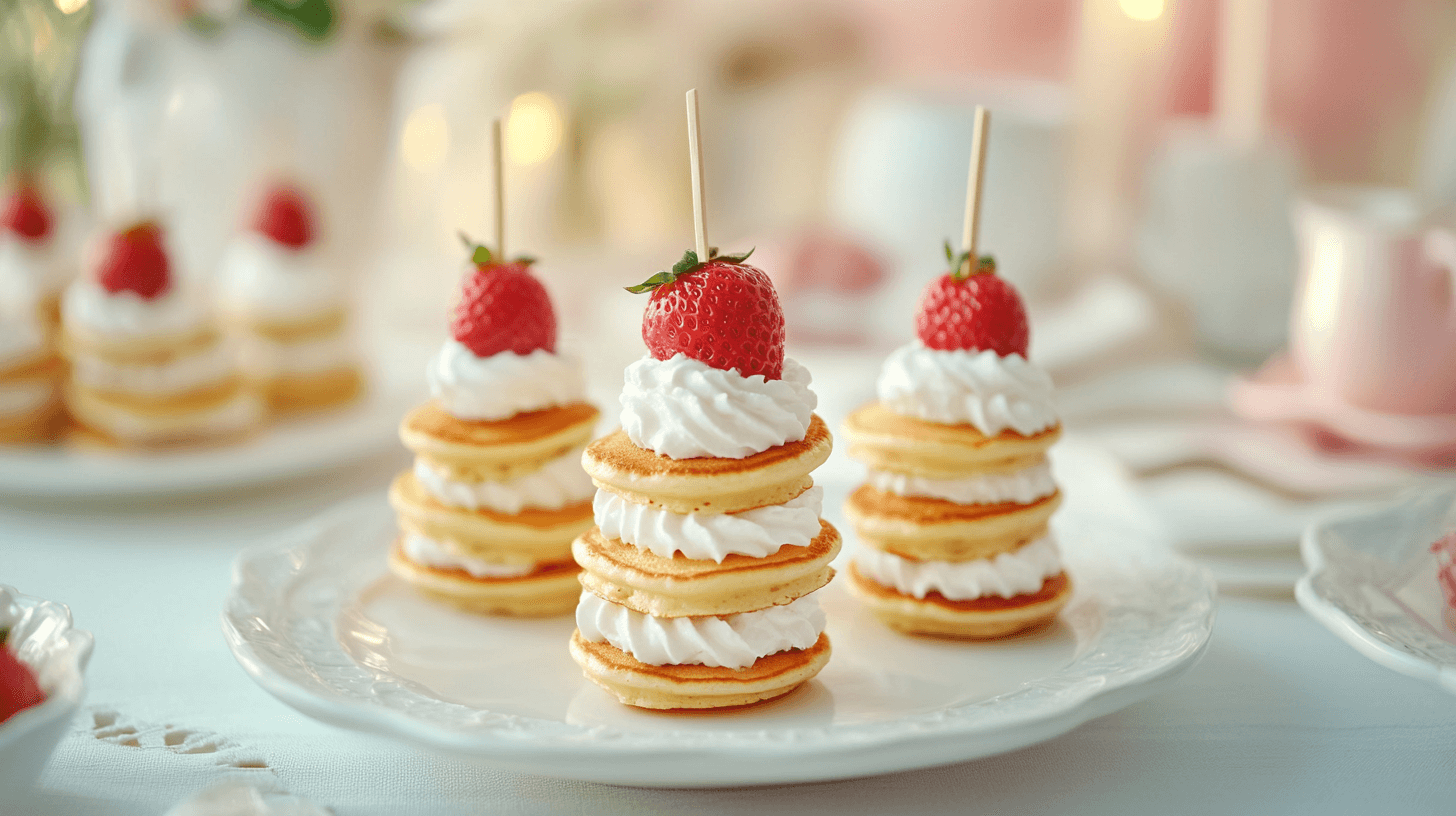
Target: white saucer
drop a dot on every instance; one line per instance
(289, 448)
(318, 622)
(1372, 581)
(42, 635)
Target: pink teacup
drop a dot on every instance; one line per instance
(1374, 319)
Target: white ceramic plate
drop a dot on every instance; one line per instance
(318, 622)
(1372, 581)
(41, 634)
(288, 448)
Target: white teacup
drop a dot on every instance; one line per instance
(1374, 318)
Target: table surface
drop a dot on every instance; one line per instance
(1279, 717)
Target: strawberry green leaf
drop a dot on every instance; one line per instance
(687, 263)
(738, 258)
(960, 267)
(660, 279)
(525, 260)
(480, 254)
(949, 254)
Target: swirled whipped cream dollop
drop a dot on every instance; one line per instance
(1020, 486)
(30, 271)
(989, 391)
(262, 277)
(556, 484)
(505, 384)
(733, 641)
(1018, 572)
(127, 315)
(431, 553)
(683, 408)
(756, 533)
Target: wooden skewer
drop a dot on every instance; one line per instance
(695, 154)
(971, 231)
(500, 191)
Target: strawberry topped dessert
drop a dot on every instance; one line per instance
(31, 277)
(954, 515)
(497, 493)
(148, 365)
(708, 546)
(19, 689)
(287, 309)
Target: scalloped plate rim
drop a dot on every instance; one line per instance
(616, 763)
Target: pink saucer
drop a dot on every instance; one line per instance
(1278, 393)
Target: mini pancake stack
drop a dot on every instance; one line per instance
(680, 615)
(148, 366)
(31, 370)
(954, 521)
(488, 513)
(926, 529)
(532, 547)
(287, 311)
(31, 377)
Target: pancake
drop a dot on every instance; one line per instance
(296, 330)
(696, 687)
(296, 393)
(679, 587)
(40, 424)
(551, 590)
(928, 529)
(707, 484)
(532, 534)
(885, 440)
(981, 618)
(528, 439)
(164, 421)
(158, 349)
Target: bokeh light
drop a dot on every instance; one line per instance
(425, 140)
(533, 129)
(1144, 10)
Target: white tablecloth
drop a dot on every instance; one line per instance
(1279, 717)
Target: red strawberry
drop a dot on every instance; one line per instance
(980, 311)
(503, 308)
(136, 262)
(286, 217)
(26, 215)
(724, 313)
(18, 689)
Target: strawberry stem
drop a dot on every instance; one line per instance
(960, 264)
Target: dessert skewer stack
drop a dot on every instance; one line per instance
(954, 517)
(148, 363)
(31, 278)
(287, 309)
(699, 575)
(497, 494)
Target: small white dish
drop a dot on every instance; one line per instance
(1372, 581)
(42, 636)
(316, 620)
(291, 447)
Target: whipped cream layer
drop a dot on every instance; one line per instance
(261, 355)
(558, 483)
(24, 396)
(208, 366)
(432, 553)
(755, 533)
(991, 392)
(1019, 486)
(266, 279)
(505, 384)
(733, 641)
(30, 271)
(123, 315)
(1019, 572)
(21, 338)
(683, 408)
